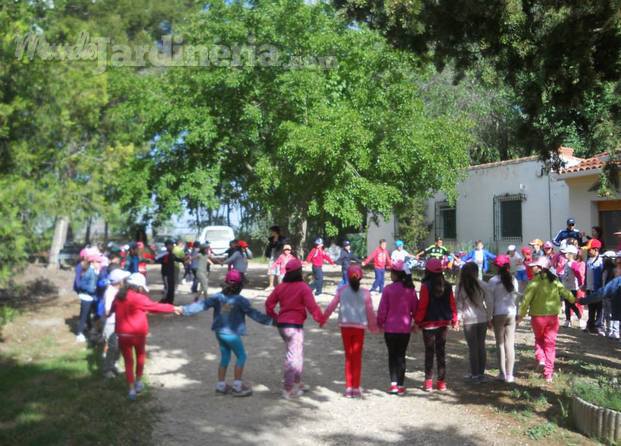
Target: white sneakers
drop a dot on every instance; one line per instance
(80, 338)
(567, 324)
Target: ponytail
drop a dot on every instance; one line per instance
(354, 284)
(122, 293)
(506, 278)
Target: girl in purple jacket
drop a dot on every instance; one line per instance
(395, 316)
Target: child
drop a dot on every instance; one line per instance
(471, 307)
(238, 258)
(572, 278)
(280, 263)
(611, 325)
(355, 315)
(592, 283)
(518, 269)
(317, 257)
(395, 315)
(542, 301)
(381, 261)
(345, 259)
(294, 298)
(229, 324)
(111, 349)
(537, 250)
(202, 270)
(399, 254)
(481, 257)
(87, 292)
(436, 311)
(132, 326)
(529, 257)
(502, 307)
(612, 293)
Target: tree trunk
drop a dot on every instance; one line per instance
(298, 236)
(87, 235)
(106, 233)
(60, 235)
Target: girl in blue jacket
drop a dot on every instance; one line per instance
(229, 325)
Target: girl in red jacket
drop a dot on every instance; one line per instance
(132, 326)
(317, 257)
(435, 312)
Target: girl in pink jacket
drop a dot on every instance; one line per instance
(395, 316)
(294, 298)
(355, 316)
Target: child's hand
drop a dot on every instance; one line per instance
(179, 310)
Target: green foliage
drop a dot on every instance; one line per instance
(604, 392)
(412, 227)
(560, 58)
(541, 431)
(7, 314)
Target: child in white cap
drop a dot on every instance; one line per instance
(111, 347)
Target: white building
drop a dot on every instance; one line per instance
(503, 203)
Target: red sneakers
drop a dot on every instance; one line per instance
(393, 389)
(428, 386)
(401, 391)
(441, 386)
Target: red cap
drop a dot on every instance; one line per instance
(354, 272)
(293, 265)
(502, 260)
(596, 244)
(434, 265)
(139, 245)
(233, 276)
(243, 244)
(526, 250)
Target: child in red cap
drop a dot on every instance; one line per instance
(355, 316)
(435, 313)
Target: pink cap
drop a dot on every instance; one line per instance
(139, 245)
(595, 244)
(233, 276)
(397, 265)
(95, 258)
(526, 250)
(502, 260)
(354, 272)
(542, 262)
(293, 265)
(548, 245)
(434, 265)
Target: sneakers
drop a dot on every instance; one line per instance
(223, 390)
(510, 379)
(428, 385)
(541, 364)
(441, 386)
(132, 395)
(548, 379)
(356, 393)
(293, 393)
(301, 387)
(109, 374)
(80, 338)
(401, 391)
(349, 393)
(393, 389)
(139, 386)
(567, 324)
(244, 390)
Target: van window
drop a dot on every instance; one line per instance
(218, 234)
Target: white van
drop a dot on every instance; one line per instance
(218, 238)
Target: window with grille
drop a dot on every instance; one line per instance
(446, 221)
(508, 217)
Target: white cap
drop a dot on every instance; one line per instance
(138, 279)
(571, 249)
(118, 275)
(609, 254)
(511, 248)
(541, 262)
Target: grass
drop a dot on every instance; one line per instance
(602, 392)
(64, 400)
(7, 314)
(541, 431)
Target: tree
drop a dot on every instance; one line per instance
(560, 58)
(288, 129)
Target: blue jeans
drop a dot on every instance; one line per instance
(318, 279)
(344, 281)
(86, 308)
(378, 283)
(228, 343)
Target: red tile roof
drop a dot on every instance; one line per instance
(595, 162)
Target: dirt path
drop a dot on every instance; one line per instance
(182, 367)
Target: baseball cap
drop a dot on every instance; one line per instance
(548, 245)
(139, 280)
(541, 262)
(319, 241)
(233, 276)
(502, 260)
(118, 275)
(511, 248)
(595, 244)
(571, 249)
(243, 244)
(609, 254)
(354, 272)
(434, 265)
(293, 265)
(536, 241)
(286, 247)
(346, 243)
(571, 221)
(399, 243)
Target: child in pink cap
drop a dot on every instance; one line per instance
(229, 325)
(355, 316)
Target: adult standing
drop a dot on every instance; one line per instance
(569, 232)
(170, 269)
(275, 243)
(435, 251)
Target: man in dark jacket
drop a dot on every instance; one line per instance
(345, 259)
(169, 271)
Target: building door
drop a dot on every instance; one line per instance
(610, 221)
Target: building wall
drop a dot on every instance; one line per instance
(544, 210)
(583, 202)
(381, 229)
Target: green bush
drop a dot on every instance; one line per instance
(604, 391)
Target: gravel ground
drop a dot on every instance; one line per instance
(182, 369)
